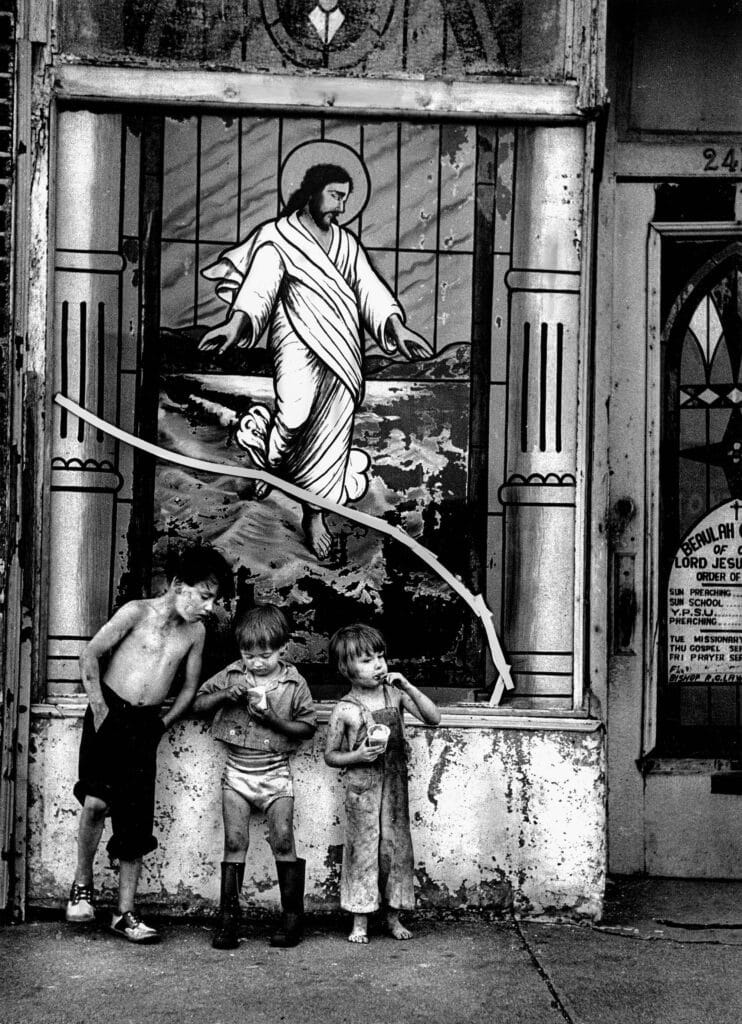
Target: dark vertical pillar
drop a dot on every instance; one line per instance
(147, 396)
(481, 344)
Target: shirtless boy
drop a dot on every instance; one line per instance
(144, 643)
(377, 854)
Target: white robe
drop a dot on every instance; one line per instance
(316, 303)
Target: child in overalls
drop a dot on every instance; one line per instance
(377, 854)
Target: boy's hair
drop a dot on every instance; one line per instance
(266, 625)
(199, 563)
(351, 642)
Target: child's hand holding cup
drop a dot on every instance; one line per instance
(257, 701)
(378, 737)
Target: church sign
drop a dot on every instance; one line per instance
(704, 619)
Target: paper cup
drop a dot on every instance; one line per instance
(260, 698)
(378, 736)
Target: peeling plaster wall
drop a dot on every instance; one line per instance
(501, 818)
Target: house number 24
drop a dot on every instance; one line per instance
(715, 161)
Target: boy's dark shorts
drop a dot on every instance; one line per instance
(118, 764)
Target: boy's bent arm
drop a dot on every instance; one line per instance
(206, 702)
(215, 692)
(106, 639)
(192, 678)
(302, 723)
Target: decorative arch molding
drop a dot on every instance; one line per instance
(698, 285)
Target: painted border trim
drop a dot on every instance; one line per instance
(451, 718)
(476, 100)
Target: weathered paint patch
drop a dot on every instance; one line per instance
(496, 896)
(330, 886)
(437, 774)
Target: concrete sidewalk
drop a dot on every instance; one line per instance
(665, 951)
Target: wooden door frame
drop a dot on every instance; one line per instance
(658, 232)
(28, 407)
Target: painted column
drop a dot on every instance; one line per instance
(538, 494)
(90, 476)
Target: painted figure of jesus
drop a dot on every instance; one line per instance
(311, 283)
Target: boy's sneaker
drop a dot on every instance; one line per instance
(80, 907)
(130, 926)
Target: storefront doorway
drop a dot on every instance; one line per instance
(675, 662)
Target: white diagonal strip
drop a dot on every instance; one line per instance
(475, 601)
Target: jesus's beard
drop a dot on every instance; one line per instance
(322, 219)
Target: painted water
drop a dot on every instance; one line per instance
(416, 433)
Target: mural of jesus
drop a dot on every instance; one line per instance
(310, 282)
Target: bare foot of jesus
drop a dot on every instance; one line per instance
(262, 490)
(318, 536)
(395, 926)
(360, 929)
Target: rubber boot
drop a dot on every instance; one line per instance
(225, 933)
(291, 883)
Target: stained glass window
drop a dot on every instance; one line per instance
(701, 660)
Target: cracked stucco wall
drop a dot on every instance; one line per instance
(501, 819)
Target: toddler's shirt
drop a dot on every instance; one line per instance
(287, 695)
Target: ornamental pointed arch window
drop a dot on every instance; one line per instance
(701, 513)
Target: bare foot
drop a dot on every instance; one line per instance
(395, 926)
(318, 536)
(262, 490)
(360, 929)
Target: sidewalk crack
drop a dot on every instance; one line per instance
(557, 1001)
